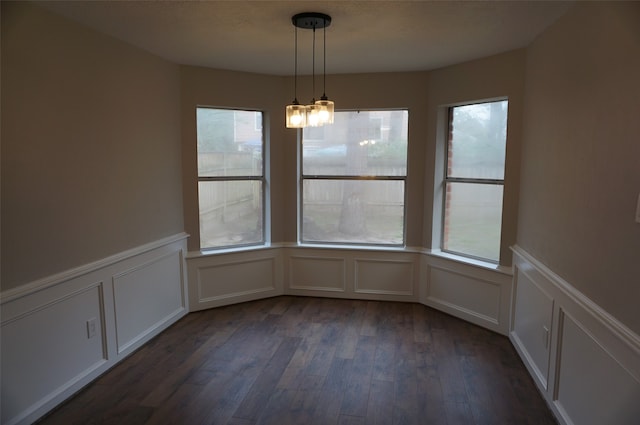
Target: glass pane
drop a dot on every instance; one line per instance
(353, 211)
(477, 141)
(472, 221)
(364, 143)
(230, 213)
(229, 142)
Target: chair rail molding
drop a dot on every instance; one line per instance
(83, 321)
(575, 351)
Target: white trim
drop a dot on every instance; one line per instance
(292, 285)
(620, 330)
(56, 279)
(596, 338)
(204, 253)
(53, 301)
(44, 297)
(528, 360)
(460, 306)
(357, 262)
(355, 247)
(506, 270)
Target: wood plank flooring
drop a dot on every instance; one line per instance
(297, 360)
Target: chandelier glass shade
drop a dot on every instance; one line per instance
(296, 115)
(318, 112)
(326, 110)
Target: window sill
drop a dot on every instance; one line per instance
(354, 247)
(433, 253)
(470, 261)
(233, 250)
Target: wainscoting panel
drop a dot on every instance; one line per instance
(392, 277)
(317, 273)
(146, 297)
(352, 273)
(59, 333)
(594, 360)
(531, 327)
(48, 349)
(228, 278)
(475, 294)
(592, 387)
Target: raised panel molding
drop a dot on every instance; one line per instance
(477, 295)
(594, 360)
(46, 350)
(234, 277)
(378, 276)
(307, 272)
(49, 351)
(591, 387)
(352, 273)
(531, 325)
(146, 297)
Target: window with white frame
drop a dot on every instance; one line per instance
(231, 182)
(353, 179)
(474, 179)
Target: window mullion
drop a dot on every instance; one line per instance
(472, 180)
(228, 178)
(338, 177)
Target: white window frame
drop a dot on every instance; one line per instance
(444, 121)
(303, 177)
(262, 178)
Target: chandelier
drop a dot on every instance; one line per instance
(318, 112)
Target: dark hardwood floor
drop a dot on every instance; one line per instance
(294, 360)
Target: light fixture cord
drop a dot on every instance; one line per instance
(324, 61)
(313, 65)
(295, 67)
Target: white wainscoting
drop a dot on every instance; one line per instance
(471, 292)
(584, 361)
(61, 332)
(390, 275)
(232, 277)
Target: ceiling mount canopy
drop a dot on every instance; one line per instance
(318, 112)
(311, 20)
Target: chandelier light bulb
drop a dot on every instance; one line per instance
(325, 110)
(296, 115)
(313, 116)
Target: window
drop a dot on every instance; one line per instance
(231, 180)
(353, 178)
(474, 179)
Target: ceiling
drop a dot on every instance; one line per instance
(364, 36)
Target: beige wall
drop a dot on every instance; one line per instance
(581, 154)
(90, 146)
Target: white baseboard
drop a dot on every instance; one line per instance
(49, 351)
(584, 361)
